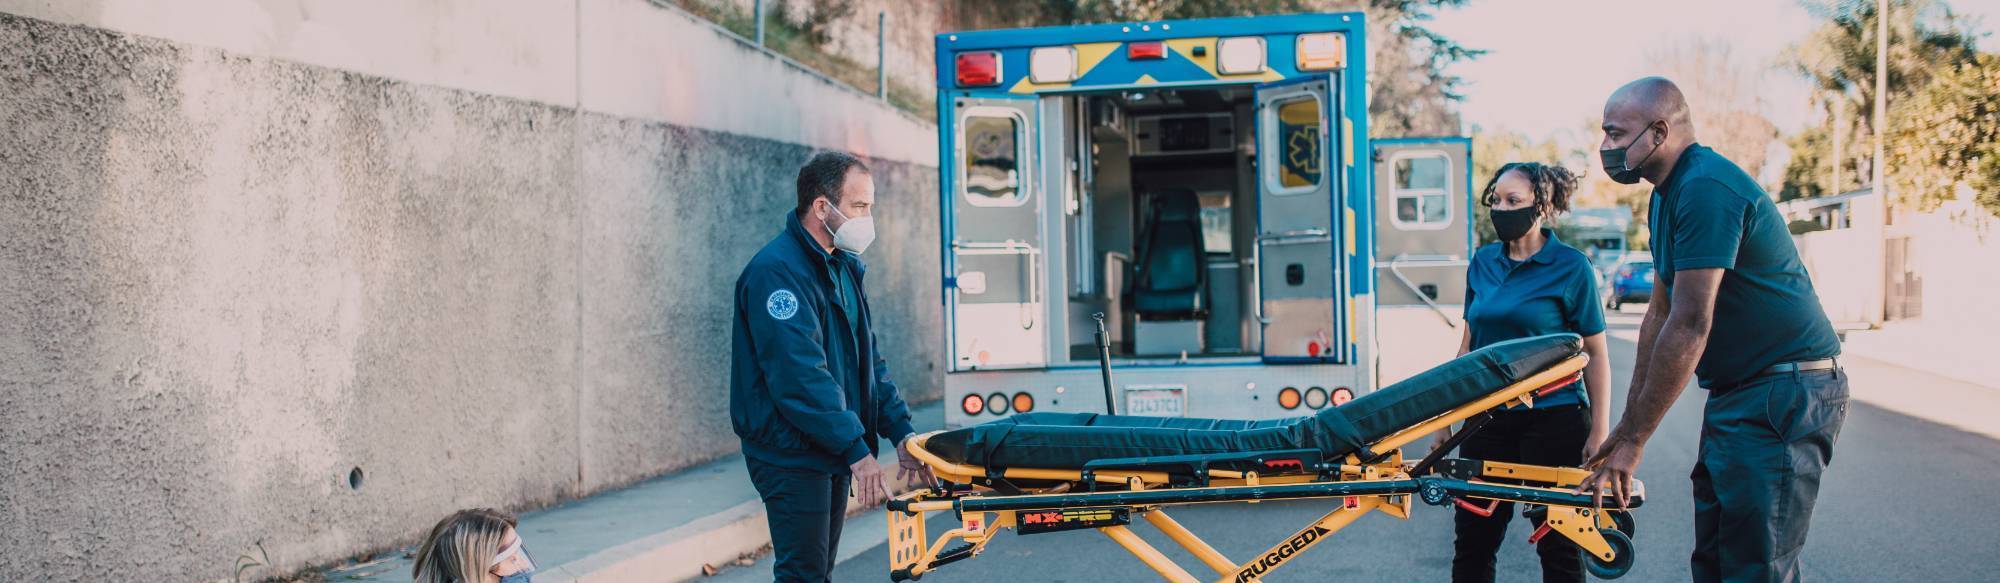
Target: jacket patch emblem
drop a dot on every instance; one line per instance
(782, 304)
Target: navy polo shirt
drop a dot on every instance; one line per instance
(1709, 213)
(1552, 292)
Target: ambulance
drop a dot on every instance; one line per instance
(1208, 192)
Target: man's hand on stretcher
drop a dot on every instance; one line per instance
(1612, 468)
(909, 468)
(872, 487)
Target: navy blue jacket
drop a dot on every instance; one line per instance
(803, 392)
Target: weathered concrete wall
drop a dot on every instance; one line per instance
(228, 279)
(912, 34)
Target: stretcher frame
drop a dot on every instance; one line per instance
(986, 501)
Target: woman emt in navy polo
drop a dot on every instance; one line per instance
(1530, 284)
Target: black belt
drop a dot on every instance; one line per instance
(1777, 369)
(1800, 366)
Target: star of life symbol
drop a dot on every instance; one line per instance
(1303, 149)
(782, 304)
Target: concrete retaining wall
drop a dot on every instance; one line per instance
(247, 300)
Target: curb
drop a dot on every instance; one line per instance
(679, 554)
(674, 555)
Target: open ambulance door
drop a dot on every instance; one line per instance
(997, 310)
(1423, 239)
(1299, 271)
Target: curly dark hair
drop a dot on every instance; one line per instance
(824, 175)
(1553, 185)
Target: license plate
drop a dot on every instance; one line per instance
(1156, 401)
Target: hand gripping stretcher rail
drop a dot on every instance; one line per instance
(1050, 471)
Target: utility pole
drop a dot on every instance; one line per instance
(1880, 167)
(757, 13)
(1839, 147)
(1874, 258)
(882, 55)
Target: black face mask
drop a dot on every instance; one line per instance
(1614, 160)
(1514, 224)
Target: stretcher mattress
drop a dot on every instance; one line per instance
(1070, 440)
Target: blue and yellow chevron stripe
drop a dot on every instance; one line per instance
(1188, 60)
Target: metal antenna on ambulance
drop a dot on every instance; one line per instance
(1104, 362)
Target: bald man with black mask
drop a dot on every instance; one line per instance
(1734, 306)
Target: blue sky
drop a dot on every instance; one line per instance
(1552, 62)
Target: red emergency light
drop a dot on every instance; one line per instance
(978, 69)
(1145, 51)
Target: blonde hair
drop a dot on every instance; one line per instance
(461, 547)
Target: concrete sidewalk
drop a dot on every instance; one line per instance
(1901, 380)
(1959, 350)
(664, 529)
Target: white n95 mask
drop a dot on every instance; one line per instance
(854, 235)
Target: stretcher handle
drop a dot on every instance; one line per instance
(951, 556)
(1104, 363)
(1471, 426)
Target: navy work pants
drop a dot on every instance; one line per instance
(806, 509)
(1764, 445)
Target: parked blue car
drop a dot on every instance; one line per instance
(1633, 282)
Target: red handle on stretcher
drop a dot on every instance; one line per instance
(1540, 532)
(1563, 382)
(1469, 507)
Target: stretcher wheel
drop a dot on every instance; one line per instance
(1621, 548)
(1624, 522)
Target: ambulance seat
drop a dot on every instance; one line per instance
(1172, 276)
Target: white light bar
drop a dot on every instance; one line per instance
(1052, 65)
(1242, 55)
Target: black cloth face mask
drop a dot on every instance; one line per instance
(1514, 224)
(1614, 160)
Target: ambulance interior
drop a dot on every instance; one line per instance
(1167, 210)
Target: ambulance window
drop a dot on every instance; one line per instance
(992, 160)
(1297, 133)
(1422, 181)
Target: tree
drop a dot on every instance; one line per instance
(1838, 59)
(1948, 133)
(1811, 170)
(1722, 96)
(1413, 94)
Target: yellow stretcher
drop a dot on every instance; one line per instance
(1106, 498)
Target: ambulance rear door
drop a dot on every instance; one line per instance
(998, 308)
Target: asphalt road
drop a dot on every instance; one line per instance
(1901, 502)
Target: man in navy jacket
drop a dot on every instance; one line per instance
(809, 390)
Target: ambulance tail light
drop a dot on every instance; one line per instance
(1316, 398)
(977, 69)
(1322, 51)
(973, 404)
(1341, 395)
(997, 403)
(1288, 398)
(1145, 51)
(1024, 403)
(1243, 55)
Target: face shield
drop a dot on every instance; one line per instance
(513, 563)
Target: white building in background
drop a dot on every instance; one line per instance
(1831, 212)
(1930, 303)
